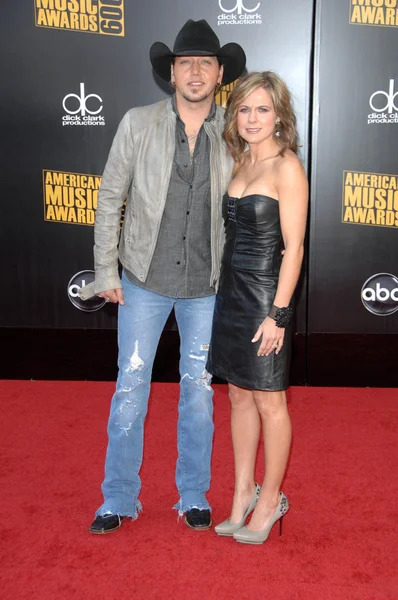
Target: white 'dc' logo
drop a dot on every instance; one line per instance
(390, 106)
(82, 99)
(239, 7)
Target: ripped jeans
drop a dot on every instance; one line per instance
(141, 322)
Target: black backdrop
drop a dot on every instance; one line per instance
(354, 200)
(74, 68)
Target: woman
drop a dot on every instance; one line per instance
(265, 210)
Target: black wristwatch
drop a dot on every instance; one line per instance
(282, 316)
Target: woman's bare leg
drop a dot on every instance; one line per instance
(245, 428)
(277, 432)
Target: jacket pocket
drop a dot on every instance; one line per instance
(131, 219)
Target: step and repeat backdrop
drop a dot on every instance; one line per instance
(353, 281)
(74, 67)
(72, 70)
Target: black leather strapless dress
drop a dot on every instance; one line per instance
(249, 277)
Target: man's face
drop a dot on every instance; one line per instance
(196, 77)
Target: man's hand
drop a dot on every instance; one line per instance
(114, 296)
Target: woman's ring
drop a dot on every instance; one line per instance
(275, 345)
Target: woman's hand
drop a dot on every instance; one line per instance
(272, 337)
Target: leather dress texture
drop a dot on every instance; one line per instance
(248, 281)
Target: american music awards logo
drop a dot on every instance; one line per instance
(370, 199)
(384, 104)
(239, 12)
(379, 13)
(105, 17)
(82, 109)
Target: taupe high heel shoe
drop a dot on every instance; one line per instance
(245, 536)
(228, 528)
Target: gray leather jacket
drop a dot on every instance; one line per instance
(139, 164)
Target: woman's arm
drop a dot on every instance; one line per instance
(292, 187)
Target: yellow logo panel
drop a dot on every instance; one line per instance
(370, 199)
(70, 197)
(91, 16)
(381, 13)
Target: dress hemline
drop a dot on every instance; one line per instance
(244, 384)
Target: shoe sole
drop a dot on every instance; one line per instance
(250, 543)
(104, 531)
(201, 528)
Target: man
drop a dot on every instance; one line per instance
(170, 159)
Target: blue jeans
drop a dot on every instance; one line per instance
(141, 322)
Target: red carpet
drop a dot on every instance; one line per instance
(340, 537)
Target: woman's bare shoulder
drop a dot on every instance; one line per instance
(290, 165)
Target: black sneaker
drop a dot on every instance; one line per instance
(106, 524)
(198, 519)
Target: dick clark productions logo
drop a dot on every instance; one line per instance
(379, 294)
(75, 284)
(239, 7)
(239, 13)
(82, 109)
(385, 105)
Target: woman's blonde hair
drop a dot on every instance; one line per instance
(287, 137)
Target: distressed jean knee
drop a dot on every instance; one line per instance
(198, 391)
(204, 379)
(129, 412)
(131, 397)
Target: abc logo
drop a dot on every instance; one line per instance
(78, 281)
(380, 294)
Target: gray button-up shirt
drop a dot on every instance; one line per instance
(181, 264)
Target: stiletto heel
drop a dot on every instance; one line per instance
(227, 528)
(246, 536)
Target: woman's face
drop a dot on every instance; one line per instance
(256, 117)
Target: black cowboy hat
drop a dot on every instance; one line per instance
(197, 38)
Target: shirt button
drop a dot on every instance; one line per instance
(190, 187)
(185, 164)
(183, 141)
(185, 237)
(187, 212)
(178, 262)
